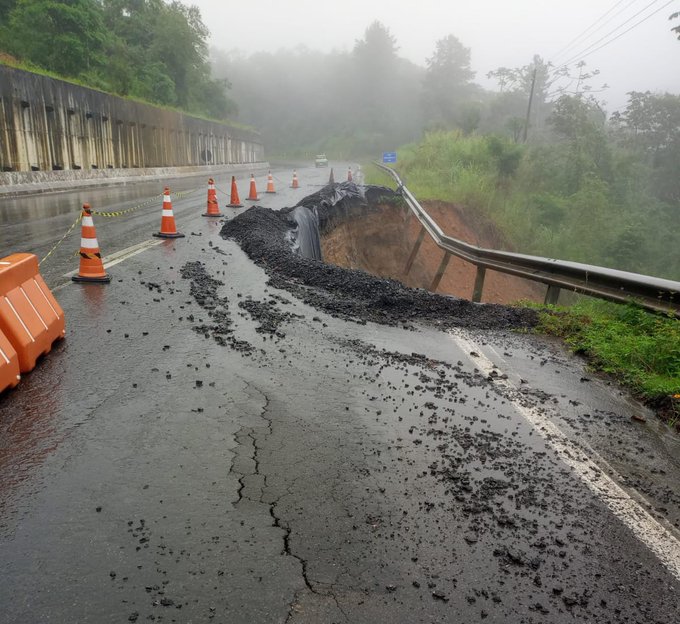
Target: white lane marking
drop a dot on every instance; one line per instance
(661, 541)
(116, 258)
(130, 252)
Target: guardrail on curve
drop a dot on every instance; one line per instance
(653, 293)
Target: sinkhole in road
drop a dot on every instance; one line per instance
(376, 234)
(289, 243)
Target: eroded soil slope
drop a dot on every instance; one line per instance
(381, 241)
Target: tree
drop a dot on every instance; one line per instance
(378, 49)
(377, 96)
(6, 7)
(519, 85)
(64, 37)
(447, 82)
(578, 120)
(675, 29)
(650, 124)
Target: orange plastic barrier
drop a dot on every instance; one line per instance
(9, 364)
(30, 316)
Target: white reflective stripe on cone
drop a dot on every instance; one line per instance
(88, 221)
(167, 213)
(89, 243)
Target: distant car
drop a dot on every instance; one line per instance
(321, 160)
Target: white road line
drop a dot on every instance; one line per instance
(116, 258)
(125, 254)
(655, 536)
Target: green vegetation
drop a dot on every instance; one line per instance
(600, 192)
(640, 348)
(594, 195)
(148, 50)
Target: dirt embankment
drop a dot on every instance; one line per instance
(381, 241)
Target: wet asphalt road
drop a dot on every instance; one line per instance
(309, 469)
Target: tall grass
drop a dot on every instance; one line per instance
(640, 348)
(533, 195)
(549, 200)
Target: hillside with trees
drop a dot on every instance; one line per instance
(541, 154)
(146, 49)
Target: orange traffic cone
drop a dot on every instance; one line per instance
(91, 265)
(168, 227)
(331, 178)
(270, 184)
(235, 200)
(213, 208)
(295, 183)
(349, 174)
(252, 196)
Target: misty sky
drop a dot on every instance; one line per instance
(499, 32)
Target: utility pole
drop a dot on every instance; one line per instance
(531, 99)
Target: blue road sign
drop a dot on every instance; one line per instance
(389, 157)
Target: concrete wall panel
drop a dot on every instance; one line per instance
(51, 125)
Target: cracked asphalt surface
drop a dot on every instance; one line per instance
(207, 446)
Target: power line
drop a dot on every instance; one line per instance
(589, 50)
(595, 23)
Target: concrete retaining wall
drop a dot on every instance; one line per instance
(36, 182)
(51, 125)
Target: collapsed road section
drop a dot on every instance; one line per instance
(273, 439)
(271, 239)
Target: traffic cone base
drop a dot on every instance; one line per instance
(164, 235)
(91, 267)
(103, 280)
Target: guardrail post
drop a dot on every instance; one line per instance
(440, 271)
(479, 284)
(414, 253)
(552, 295)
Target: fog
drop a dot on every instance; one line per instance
(488, 105)
(499, 33)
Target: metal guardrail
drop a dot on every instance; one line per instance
(653, 293)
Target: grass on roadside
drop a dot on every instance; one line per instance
(639, 348)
